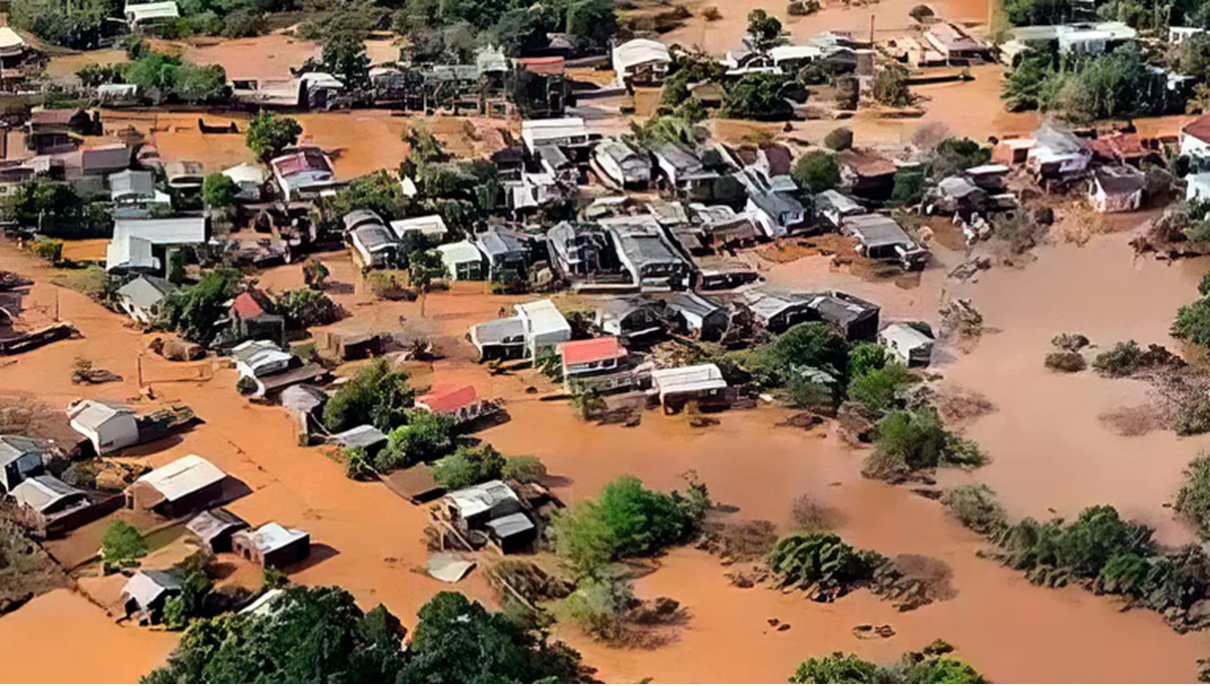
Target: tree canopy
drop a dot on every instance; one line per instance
(759, 97)
(816, 171)
(269, 134)
(378, 395)
(194, 311)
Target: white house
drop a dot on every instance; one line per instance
(142, 297)
(432, 227)
(107, 426)
(135, 240)
(250, 178)
(622, 164)
(258, 358)
(463, 261)
(683, 383)
(148, 12)
(911, 346)
(545, 327)
(776, 213)
(567, 132)
(1116, 190)
(20, 457)
(641, 61)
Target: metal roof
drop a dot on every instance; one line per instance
(511, 525)
(432, 225)
(543, 317)
(875, 230)
(363, 436)
(43, 492)
(482, 498)
(130, 252)
(448, 397)
(213, 523)
(147, 586)
(140, 12)
(91, 414)
(175, 231)
(272, 537)
(183, 477)
(639, 51)
(591, 350)
(13, 448)
(701, 377)
(457, 253)
(146, 291)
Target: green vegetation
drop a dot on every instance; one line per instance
(166, 79)
(378, 395)
(758, 97)
(26, 570)
(812, 345)
(1117, 84)
(56, 210)
(913, 440)
(839, 139)
(1128, 359)
(890, 87)
(1053, 552)
(954, 155)
(976, 507)
(304, 308)
(269, 134)
(122, 546)
(816, 172)
(219, 191)
(1193, 323)
(194, 311)
(928, 666)
(319, 635)
(1193, 500)
(468, 466)
(824, 563)
(881, 390)
(448, 30)
(765, 31)
(909, 187)
(78, 25)
(425, 437)
(626, 520)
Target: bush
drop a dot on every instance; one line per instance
(424, 438)
(839, 139)
(1128, 359)
(909, 441)
(599, 606)
(1081, 548)
(976, 507)
(812, 345)
(121, 546)
(1065, 361)
(1193, 501)
(269, 134)
(712, 14)
(626, 520)
(758, 97)
(190, 603)
(811, 515)
(881, 390)
(377, 395)
(909, 187)
(523, 469)
(890, 87)
(194, 311)
(921, 13)
(839, 668)
(1074, 342)
(816, 172)
(866, 357)
(304, 308)
(358, 466)
(469, 466)
(822, 561)
(1193, 323)
(928, 666)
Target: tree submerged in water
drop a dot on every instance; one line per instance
(932, 665)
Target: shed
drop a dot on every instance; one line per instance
(631, 318)
(835, 207)
(177, 488)
(641, 61)
(272, 545)
(512, 532)
(21, 457)
(147, 12)
(250, 178)
(909, 344)
(142, 297)
(144, 594)
(1116, 189)
(856, 318)
(697, 316)
(109, 427)
(215, 528)
(431, 227)
(366, 437)
(882, 238)
(677, 386)
(463, 261)
(482, 503)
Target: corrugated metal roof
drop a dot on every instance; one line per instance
(183, 477)
(41, 493)
(482, 498)
(701, 377)
(272, 537)
(13, 448)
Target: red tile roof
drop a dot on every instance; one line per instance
(544, 65)
(1119, 147)
(246, 306)
(1198, 128)
(448, 397)
(591, 350)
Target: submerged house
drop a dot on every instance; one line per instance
(507, 253)
(682, 170)
(1057, 154)
(697, 316)
(581, 251)
(458, 402)
(51, 507)
(215, 528)
(134, 194)
(272, 546)
(143, 296)
(594, 364)
(21, 457)
(857, 319)
(910, 345)
(641, 62)
(303, 173)
(144, 244)
(186, 485)
(107, 426)
(881, 238)
(622, 165)
(144, 594)
(534, 330)
(776, 311)
(1116, 189)
(835, 207)
(645, 252)
(463, 261)
(679, 386)
(495, 510)
(630, 318)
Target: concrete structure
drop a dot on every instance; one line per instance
(911, 346)
(134, 194)
(431, 227)
(272, 545)
(535, 329)
(143, 296)
(178, 488)
(569, 132)
(463, 261)
(1116, 189)
(641, 61)
(494, 509)
(109, 427)
(675, 387)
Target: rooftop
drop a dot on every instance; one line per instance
(543, 317)
(94, 413)
(146, 291)
(701, 377)
(482, 498)
(272, 537)
(183, 477)
(591, 350)
(448, 397)
(41, 493)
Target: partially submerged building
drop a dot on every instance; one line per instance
(144, 594)
(459, 402)
(143, 244)
(697, 316)
(908, 344)
(178, 488)
(303, 173)
(463, 261)
(630, 318)
(107, 426)
(857, 319)
(272, 546)
(702, 383)
(143, 297)
(214, 528)
(622, 165)
(645, 252)
(534, 330)
(581, 251)
(881, 238)
(21, 457)
(494, 510)
(596, 364)
(1116, 189)
(641, 62)
(51, 508)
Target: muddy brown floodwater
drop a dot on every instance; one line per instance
(1048, 451)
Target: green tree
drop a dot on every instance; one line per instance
(378, 395)
(816, 172)
(424, 438)
(909, 187)
(626, 520)
(839, 668)
(468, 466)
(1032, 85)
(423, 267)
(881, 390)
(592, 23)
(122, 546)
(190, 603)
(866, 357)
(344, 56)
(314, 635)
(219, 191)
(457, 641)
(890, 87)
(955, 155)
(812, 344)
(194, 311)
(758, 97)
(1193, 323)
(523, 30)
(269, 134)
(912, 440)
(1193, 500)
(764, 31)
(304, 308)
(524, 469)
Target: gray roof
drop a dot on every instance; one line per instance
(41, 493)
(495, 242)
(875, 230)
(130, 182)
(553, 155)
(957, 187)
(213, 523)
(776, 204)
(303, 398)
(374, 237)
(500, 330)
(510, 525)
(145, 292)
(619, 150)
(680, 156)
(693, 303)
(149, 585)
(840, 308)
(358, 218)
(272, 537)
(363, 436)
(13, 448)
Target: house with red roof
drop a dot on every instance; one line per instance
(251, 318)
(596, 363)
(459, 402)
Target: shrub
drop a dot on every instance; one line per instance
(890, 87)
(816, 172)
(712, 14)
(881, 390)
(357, 464)
(909, 441)
(1065, 361)
(1127, 359)
(811, 515)
(1081, 548)
(190, 603)
(1193, 323)
(866, 357)
(304, 308)
(976, 507)
(1074, 342)
(839, 139)
(524, 469)
(122, 546)
(626, 520)
(839, 668)
(424, 438)
(812, 344)
(1193, 501)
(599, 606)
(377, 395)
(468, 466)
(823, 561)
(928, 666)
(909, 187)
(921, 13)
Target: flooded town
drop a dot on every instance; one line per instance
(726, 341)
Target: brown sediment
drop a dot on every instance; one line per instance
(1047, 446)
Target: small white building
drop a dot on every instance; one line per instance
(1116, 190)
(259, 358)
(107, 426)
(545, 327)
(141, 14)
(909, 345)
(431, 227)
(20, 457)
(463, 261)
(682, 384)
(569, 132)
(135, 240)
(143, 297)
(250, 178)
(641, 61)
